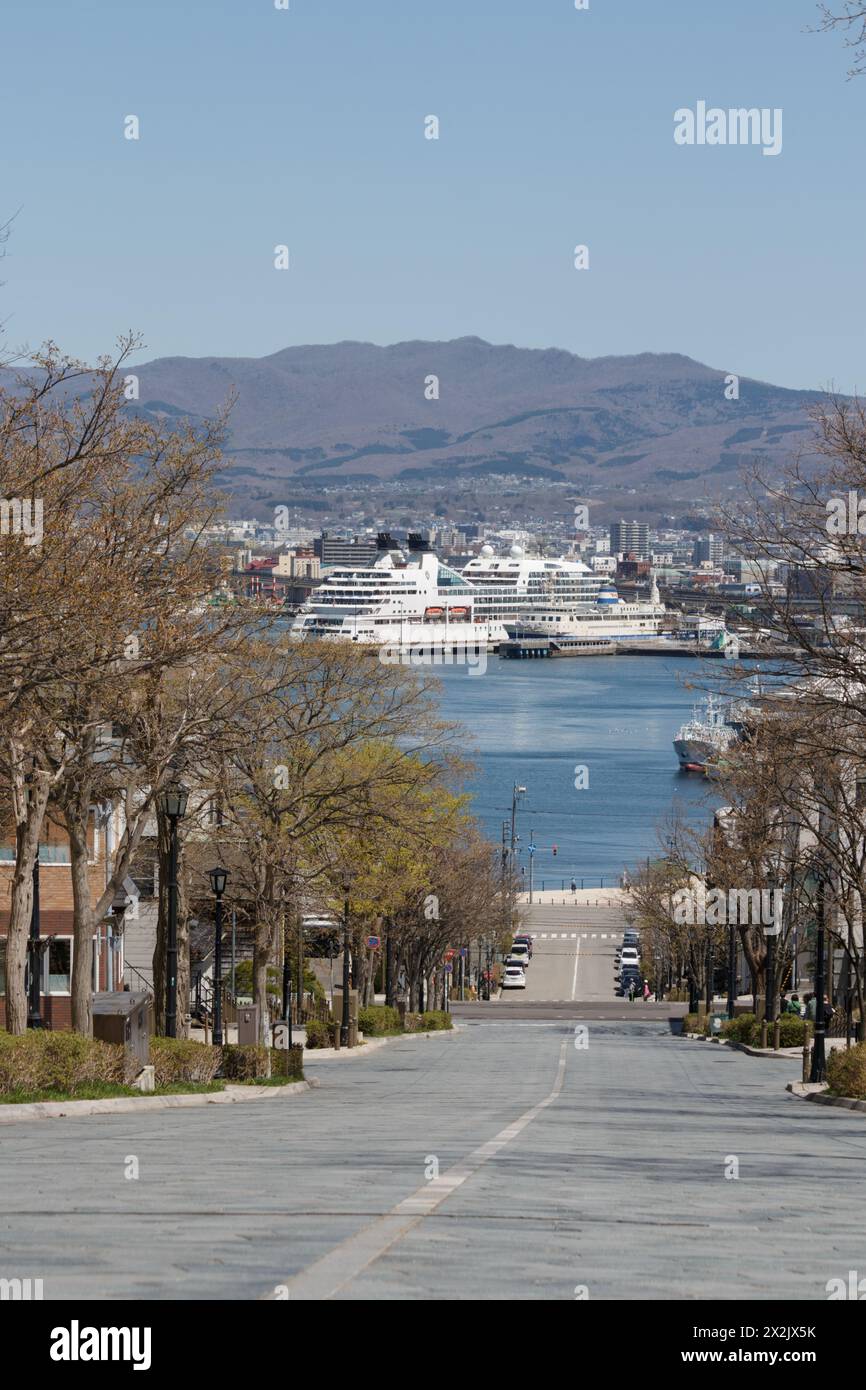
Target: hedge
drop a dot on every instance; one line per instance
(319, 1034)
(181, 1059)
(379, 1019)
(435, 1020)
(288, 1062)
(40, 1060)
(846, 1071)
(746, 1028)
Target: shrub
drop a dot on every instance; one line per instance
(245, 1063)
(288, 1062)
(45, 1061)
(412, 1023)
(792, 1030)
(318, 1033)
(435, 1020)
(379, 1019)
(181, 1059)
(846, 1071)
(741, 1028)
(692, 1023)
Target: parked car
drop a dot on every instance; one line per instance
(514, 977)
(518, 955)
(524, 941)
(629, 956)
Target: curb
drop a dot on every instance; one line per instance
(782, 1055)
(332, 1054)
(821, 1098)
(126, 1105)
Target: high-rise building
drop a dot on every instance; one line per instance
(710, 548)
(629, 538)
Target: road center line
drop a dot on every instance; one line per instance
(574, 981)
(328, 1275)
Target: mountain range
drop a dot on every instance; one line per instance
(355, 412)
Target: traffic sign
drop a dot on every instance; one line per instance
(374, 942)
(449, 955)
(448, 968)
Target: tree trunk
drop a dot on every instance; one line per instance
(27, 833)
(82, 928)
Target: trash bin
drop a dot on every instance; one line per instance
(716, 1021)
(124, 1016)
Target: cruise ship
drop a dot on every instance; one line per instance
(511, 587)
(609, 619)
(408, 602)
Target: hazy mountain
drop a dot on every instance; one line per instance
(354, 410)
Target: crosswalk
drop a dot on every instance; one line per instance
(573, 935)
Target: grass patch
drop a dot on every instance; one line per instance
(187, 1088)
(98, 1090)
(270, 1081)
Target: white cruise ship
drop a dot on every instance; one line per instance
(609, 618)
(509, 587)
(412, 602)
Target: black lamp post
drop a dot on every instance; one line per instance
(819, 1063)
(173, 803)
(218, 879)
(287, 977)
(344, 1022)
(770, 982)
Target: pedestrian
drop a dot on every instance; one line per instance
(795, 1006)
(646, 990)
(631, 991)
(828, 1013)
(810, 1007)
(574, 885)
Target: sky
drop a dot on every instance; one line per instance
(305, 127)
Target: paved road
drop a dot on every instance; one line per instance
(559, 1167)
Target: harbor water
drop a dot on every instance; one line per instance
(591, 739)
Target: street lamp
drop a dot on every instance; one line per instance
(218, 879)
(173, 803)
(819, 1061)
(344, 1022)
(770, 981)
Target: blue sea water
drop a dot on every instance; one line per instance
(534, 722)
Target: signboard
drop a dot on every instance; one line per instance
(448, 968)
(374, 942)
(449, 955)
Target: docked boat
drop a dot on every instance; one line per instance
(701, 743)
(578, 628)
(406, 601)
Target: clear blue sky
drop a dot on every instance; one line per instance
(261, 126)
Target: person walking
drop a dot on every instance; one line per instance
(631, 991)
(646, 991)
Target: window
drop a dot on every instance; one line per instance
(57, 966)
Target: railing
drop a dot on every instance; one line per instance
(142, 983)
(578, 882)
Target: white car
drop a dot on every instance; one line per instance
(518, 955)
(514, 977)
(629, 956)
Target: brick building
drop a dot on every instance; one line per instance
(55, 899)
